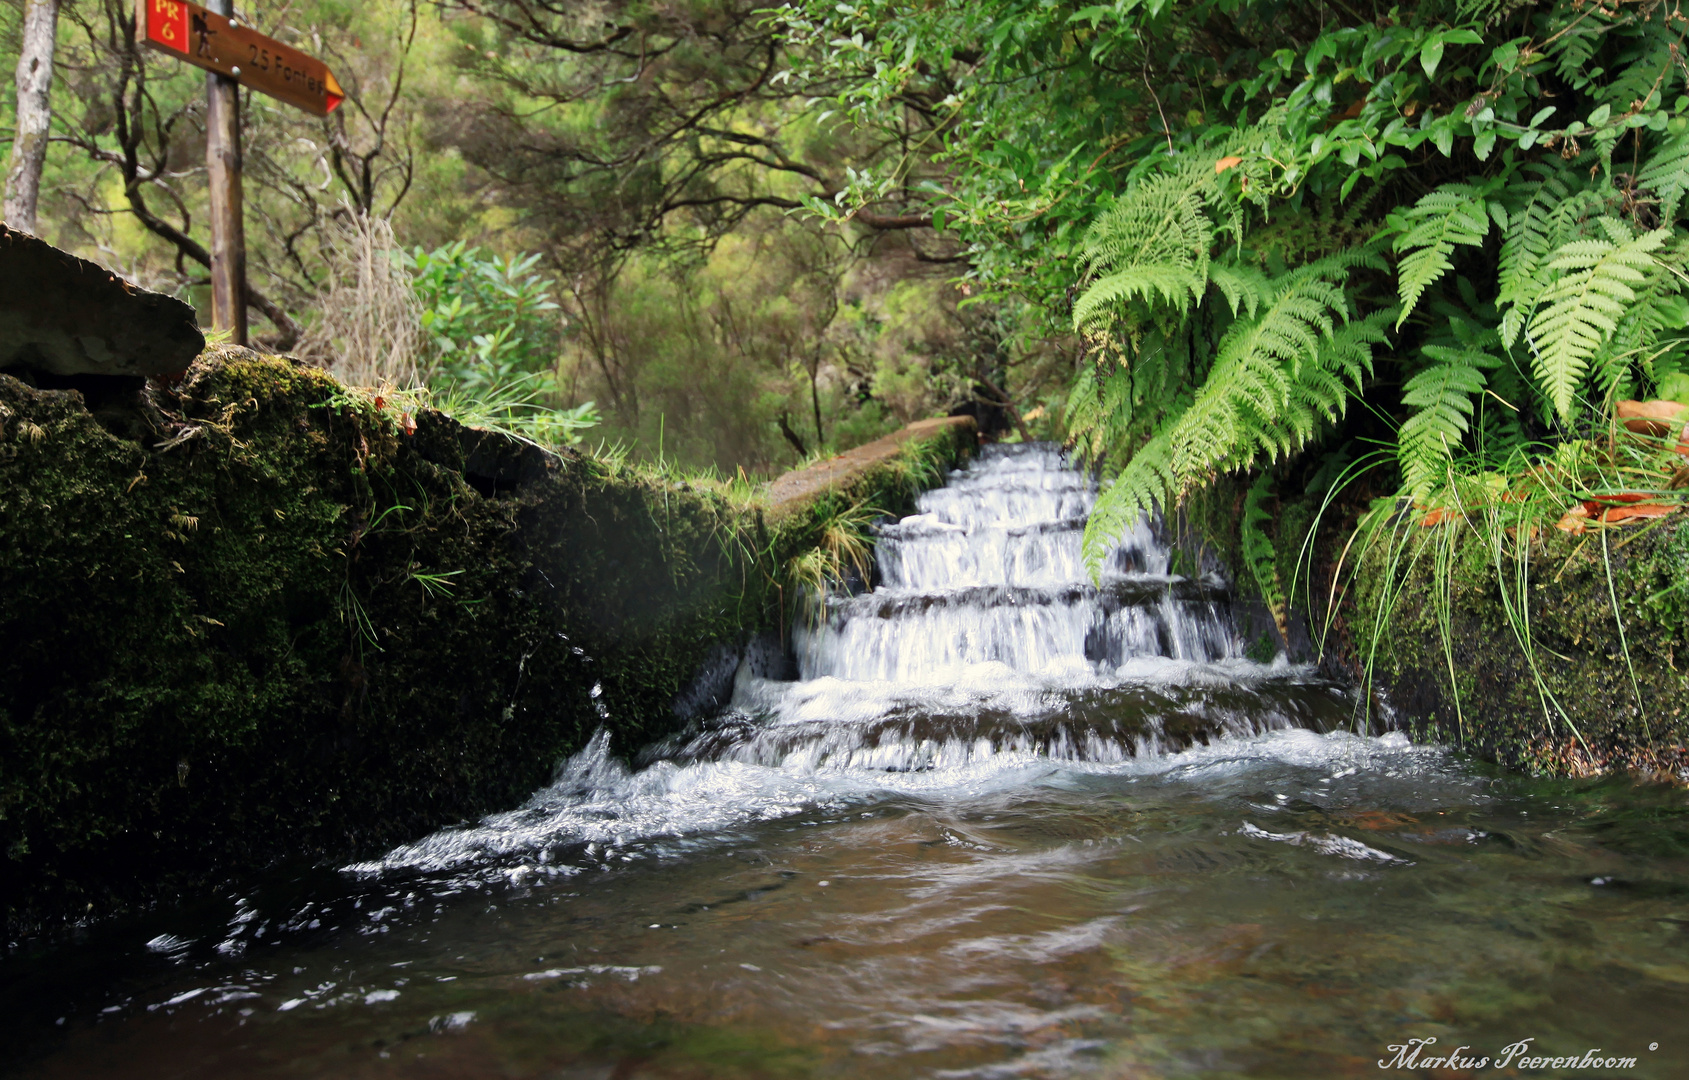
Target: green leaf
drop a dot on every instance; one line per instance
(1431, 55)
(1453, 214)
(1441, 396)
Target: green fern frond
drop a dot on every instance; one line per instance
(1153, 241)
(1099, 410)
(1442, 395)
(1243, 286)
(1553, 216)
(1581, 310)
(1666, 176)
(1452, 214)
(1178, 285)
(1524, 249)
(1140, 488)
(1572, 52)
(1658, 316)
(1258, 553)
(1235, 412)
(1636, 78)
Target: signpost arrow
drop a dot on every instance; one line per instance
(217, 43)
(235, 56)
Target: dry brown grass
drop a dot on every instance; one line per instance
(369, 327)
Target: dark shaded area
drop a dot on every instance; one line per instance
(285, 630)
(271, 626)
(67, 316)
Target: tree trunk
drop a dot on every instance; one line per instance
(815, 400)
(34, 112)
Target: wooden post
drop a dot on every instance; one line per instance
(228, 230)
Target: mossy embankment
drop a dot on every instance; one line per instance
(257, 620)
(1564, 655)
(1452, 630)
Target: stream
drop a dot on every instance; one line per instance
(1007, 822)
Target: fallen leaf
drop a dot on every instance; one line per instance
(1616, 514)
(1616, 499)
(1575, 521)
(1226, 163)
(1656, 418)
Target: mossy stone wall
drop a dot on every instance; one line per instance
(1551, 690)
(1385, 629)
(280, 628)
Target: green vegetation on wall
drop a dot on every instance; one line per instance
(304, 625)
(1517, 655)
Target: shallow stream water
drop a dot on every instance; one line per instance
(1007, 823)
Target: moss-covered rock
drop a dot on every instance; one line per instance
(1523, 662)
(280, 627)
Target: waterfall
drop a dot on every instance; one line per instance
(986, 659)
(989, 571)
(987, 638)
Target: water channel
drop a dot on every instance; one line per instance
(1006, 823)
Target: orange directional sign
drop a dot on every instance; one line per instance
(215, 43)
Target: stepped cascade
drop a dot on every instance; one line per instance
(986, 635)
(989, 571)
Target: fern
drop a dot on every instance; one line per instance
(1275, 376)
(1099, 409)
(1442, 395)
(1581, 310)
(1549, 216)
(1140, 488)
(1178, 285)
(1452, 214)
(1259, 555)
(1153, 242)
(1244, 287)
(1572, 53)
(1666, 175)
(1657, 317)
(1638, 71)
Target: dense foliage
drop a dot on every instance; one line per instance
(1186, 236)
(1467, 215)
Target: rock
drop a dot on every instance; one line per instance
(65, 316)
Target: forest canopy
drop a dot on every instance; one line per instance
(1269, 240)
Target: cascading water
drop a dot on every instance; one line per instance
(987, 636)
(989, 572)
(985, 656)
(1008, 823)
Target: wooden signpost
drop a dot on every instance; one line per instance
(233, 56)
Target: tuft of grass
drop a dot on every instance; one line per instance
(1504, 503)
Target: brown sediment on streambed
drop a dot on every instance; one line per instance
(255, 618)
